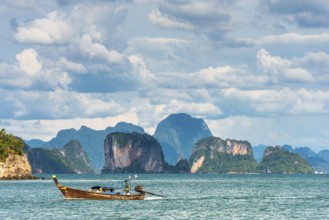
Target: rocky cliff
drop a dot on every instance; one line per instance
(178, 133)
(13, 161)
(214, 155)
(132, 152)
(15, 167)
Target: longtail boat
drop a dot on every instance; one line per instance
(98, 193)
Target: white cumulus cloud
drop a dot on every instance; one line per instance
(192, 108)
(283, 101)
(28, 62)
(277, 69)
(69, 65)
(53, 29)
(97, 50)
(295, 38)
(156, 17)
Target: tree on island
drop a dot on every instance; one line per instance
(278, 160)
(9, 144)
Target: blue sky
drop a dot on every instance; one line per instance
(253, 70)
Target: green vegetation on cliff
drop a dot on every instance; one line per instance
(277, 160)
(71, 158)
(229, 163)
(222, 156)
(73, 152)
(214, 155)
(9, 144)
(49, 161)
(123, 139)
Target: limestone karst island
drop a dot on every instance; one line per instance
(181, 144)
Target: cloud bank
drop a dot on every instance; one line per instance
(253, 70)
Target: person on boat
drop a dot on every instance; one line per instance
(126, 187)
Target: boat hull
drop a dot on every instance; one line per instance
(71, 193)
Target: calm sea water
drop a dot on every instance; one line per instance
(187, 197)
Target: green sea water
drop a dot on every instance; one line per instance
(187, 197)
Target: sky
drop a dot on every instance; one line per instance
(255, 70)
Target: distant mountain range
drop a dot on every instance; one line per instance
(177, 135)
(91, 140)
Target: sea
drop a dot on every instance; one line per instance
(186, 196)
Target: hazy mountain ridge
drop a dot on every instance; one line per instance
(178, 133)
(258, 152)
(71, 158)
(91, 140)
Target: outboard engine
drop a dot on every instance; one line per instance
(139, 188)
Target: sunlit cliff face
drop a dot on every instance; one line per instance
(215, 145)
(237, 147)
(136, 152)
(15, 167)
(197, 164)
